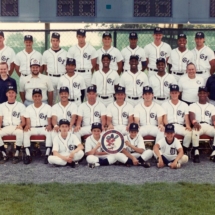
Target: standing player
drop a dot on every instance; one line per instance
(169, 151)
(67, 149)
(203, 57)
(133, 49)
(155, 50)
(7, 54)
(73, 81)
(202, 116)
(161, 81)
(120, 113)
(38, 122)
(54, 62)
(116, 56)
(180, 57)
(85, 56)
(11, 122)
(105, 81)
(133, 81)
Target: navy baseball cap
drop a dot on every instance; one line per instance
(106, 55)
(36, 91)
(2, 33)
(182, 36)
(147, 89)
(96, 125)
(106, 34)
(64, 122)
(158, 30)
(169, 128)
(91, 89)
(133, 127)
(70, 61)
(56, 35)
(200, 35)
(28, 37)
(159, 60)
(205, 89)
(136, 57)
(81, 32)
(174, 87)
(133, 35)
(64, 89)
(120, 89)
(34, 62)
(11, 87)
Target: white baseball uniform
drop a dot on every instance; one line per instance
(115, 54)
(189, 87)
(160, 86)
(154, 52)
(75, 84)
(83, 57)
(176, 115)
(202, 60)
(7, 55)
(11, 114)
(127, 52)
(179, 61)
(133, 84)
(65, 147)
(105, 83)
(56, 63)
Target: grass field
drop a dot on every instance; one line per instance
(102, 199)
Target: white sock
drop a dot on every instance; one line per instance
(17, 153)
(196, 152)
(27, 151)
(4, 154)
(48, 151)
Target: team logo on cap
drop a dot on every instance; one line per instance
(199, 34)
(37, 90)
(82, 31)
(112, 141)
(28, 36)
(157, 29)
(119, 88)
(146, 88)
(10, 87)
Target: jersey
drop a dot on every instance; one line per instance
(189, 87)
(55, 61)
(11, 113)
(133, 83)
(23, 59)
(83, 56)
(203, 112)
(75, 84)
(148, 115)
(160, 85)
(91, 113)
(105, 82)
(38, 116)
(91, 144)
(137, 142)
(120, 114)
(175, 113)
(127, 52)
(115, 54)
(7, 55)
(66, 112)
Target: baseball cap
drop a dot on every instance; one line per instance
(133, 127)
(136, 57)
(106, 34)
(56, 35)
(182, 36)
(200, 35)
(120, 89)
(174, 87)
(91, 89)
(2, 33)
(36, 91)
(11, 87)
(147, 89)
(81, 32)
(157, 30)
(70, 61)
(133, 35)
(34, 62)
(64, 89)
(28, 37)
(159, 60)
(64, 122)
(106, 55)
(169, 128)
(96, 125)
(203, 88)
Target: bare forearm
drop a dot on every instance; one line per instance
(22, 96)
(50, 98)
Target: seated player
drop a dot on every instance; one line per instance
(38, 122)
(169, 151)
(67, 149)
(11, 122)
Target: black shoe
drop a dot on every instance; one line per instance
(196, 159)
(4, 159)
(46, 159)
(15, 160)
(212, 158)
(72, 165)
(27, 160)
(91, 165)
(146, 164)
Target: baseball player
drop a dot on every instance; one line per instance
(89, 112)
(54, 62)
(202, 116)
(105, 80)
(156, 49)
(120, 113)
(74, 82)
(180, 57)
(5, 81)
(133, 81)
(11, 122)
(189, 84)
(177, 113)
(204, 58)
(133, 49)
(161, 81)
(85, 56)
(7, 54)
(169, 151)
(116, 56)
(67, 149)
(34, 80)
(38, 122)
(149, 115)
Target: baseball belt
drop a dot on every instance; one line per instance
(161, 99)
(134, 98)
(72, 100)
(176, 123)
(200, 72)
(82, 70)
(178, 73)
(39, 126)
(24, 75)
(105, 97)
(55, 75)
(205, 122)
(155, 70)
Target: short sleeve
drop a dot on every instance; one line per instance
(81, 110)
(49, 84)
(49, 115)
(116, 80)
(118, 56)
(76, 141)
(191, 107)
(16, 60)
(88, 146)
(44, 58)
(94, 54)
(210, 54)
(161, 111)
(177, 144)
(103, 109)
(109, 112)
(54, 110)
(70, 54)
(83, 86)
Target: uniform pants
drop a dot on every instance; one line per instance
(212, 102)
(11, 130)
(78, 102)
(28, 102)
(205, 76)
(83, 131)
(121, 129)
(106, 102)
(160, 102)
(151, 73)
(55, 81)
(37, 131)
(58, 161)
(132, 101)
(87, 76)
(177, 77)
(92, 159)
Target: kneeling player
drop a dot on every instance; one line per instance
(169, 151)
(67, 149)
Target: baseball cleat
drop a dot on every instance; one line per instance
(46, 160)
(146, 164)
(91, 165)
(15, 160)
(27, 160)
(196, 159)
(4, 159)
